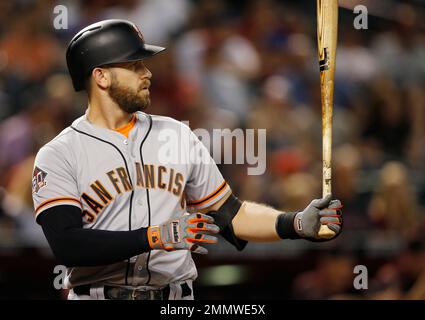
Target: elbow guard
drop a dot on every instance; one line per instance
(223, 218)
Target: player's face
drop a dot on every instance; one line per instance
(130, 86)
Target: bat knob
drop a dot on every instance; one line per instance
(325, 232)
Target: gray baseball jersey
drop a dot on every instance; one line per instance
(160, 171)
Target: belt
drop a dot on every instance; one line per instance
(125, 293)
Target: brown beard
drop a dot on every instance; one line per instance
(126, 98)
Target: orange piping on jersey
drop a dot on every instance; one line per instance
(209, 197)
(125, 129)
(53, 200)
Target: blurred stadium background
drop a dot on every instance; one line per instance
(244, 64)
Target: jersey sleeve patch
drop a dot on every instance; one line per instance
(38, 179)
(53, 179)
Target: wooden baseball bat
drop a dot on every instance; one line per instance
(327, 30)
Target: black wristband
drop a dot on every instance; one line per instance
(285, 226)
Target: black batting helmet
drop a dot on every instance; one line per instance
(105, 42)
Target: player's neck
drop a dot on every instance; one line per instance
(107, 115)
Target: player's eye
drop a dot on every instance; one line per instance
(134, 65)
(139, 66)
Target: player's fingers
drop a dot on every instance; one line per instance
(335, 205)
(198, 249)
(330, 213)
(210, 228)
(202, 227)
(322, 203)
(202, 238)
(330, 220)
(200, 217)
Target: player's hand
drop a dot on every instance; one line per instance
(319, 212)
(185, 233)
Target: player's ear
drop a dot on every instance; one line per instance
(102, 77)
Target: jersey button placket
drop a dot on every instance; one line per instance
(131, 143)
(140, 271)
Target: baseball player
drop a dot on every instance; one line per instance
(118, 212)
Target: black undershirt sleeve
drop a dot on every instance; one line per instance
(74, 246)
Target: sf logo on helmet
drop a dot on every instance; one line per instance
(138, 31)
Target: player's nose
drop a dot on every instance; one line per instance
(146, 73)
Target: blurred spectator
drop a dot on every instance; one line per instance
(332, 277)
(160, 20)
(402, 278)
(222, 62)
(18, 206)
(388, 128)
(394, 207)
(295, 191)
(416, 144)
(29, 34)
(7, 225)
(24, 133)
(356, 63)
(286, 124)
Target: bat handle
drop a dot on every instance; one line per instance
(324, 231)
